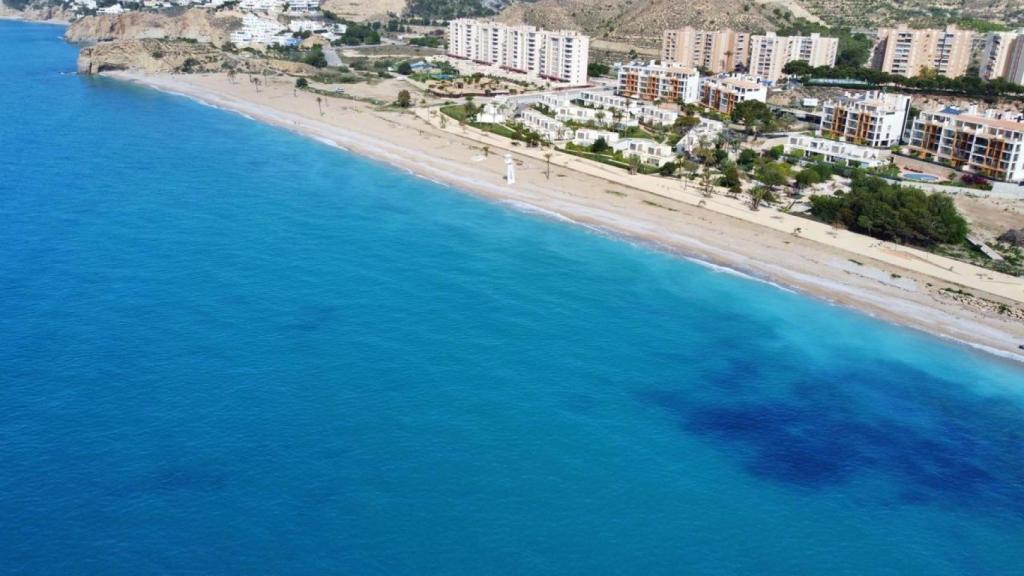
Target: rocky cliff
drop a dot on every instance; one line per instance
(153, 56)
(41, 10)
(195, 24)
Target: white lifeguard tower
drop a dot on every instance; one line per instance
(510, 170)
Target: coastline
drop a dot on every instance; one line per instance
(715, 232)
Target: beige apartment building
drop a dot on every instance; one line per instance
(716, 51)
(762, 55)
(907, 52)
(769, 53)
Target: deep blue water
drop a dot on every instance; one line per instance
(225, 349)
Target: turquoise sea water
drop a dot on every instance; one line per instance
(225, 349)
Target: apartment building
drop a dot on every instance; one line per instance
(715, 51)
(770, 53)
(907, 52)
(722, 94)
(560, 56)
(872, 118)
(989, 143)
(671, 82)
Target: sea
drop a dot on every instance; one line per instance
(229, 349)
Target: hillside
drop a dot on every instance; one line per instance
(641, 21)
(859, 13)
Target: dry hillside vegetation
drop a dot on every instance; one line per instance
(642, 21)
(360, 10)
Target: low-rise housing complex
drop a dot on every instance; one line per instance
(549, 128)
(870, 118)
(671, 82)
(833, 151)
(260, 30)
(649, 152)
(989, 143)
(588, 136)
(559, 56)
(722, 94)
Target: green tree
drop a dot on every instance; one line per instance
(893, 212)
(405, 69)
(753, 115)
(301, 83)
(404, 99)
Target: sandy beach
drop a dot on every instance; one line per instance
(903, 285)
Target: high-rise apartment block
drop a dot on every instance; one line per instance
(560, 56)
(761, 55)
(907, 52)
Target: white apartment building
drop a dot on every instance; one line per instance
(587, 137)
(559, 56)
(723, 93)
(647, 151)
(769, 53)
(262, 5)
(870, 118)
(257, 30)
(549, 128)
(832, 151)
(650, 81)
(989, 143)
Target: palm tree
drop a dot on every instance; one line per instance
(319, 105)
(547, 158)
(487, 151)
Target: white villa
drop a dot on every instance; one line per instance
(707, 131)
(587, 137)
(497, 111)
(833, 151)
(649, 152)
(549, 128)
(656, 116)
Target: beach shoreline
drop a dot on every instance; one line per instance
(610, 201)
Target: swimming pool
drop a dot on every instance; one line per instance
(919, 177)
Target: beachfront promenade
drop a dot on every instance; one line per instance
(857, 245)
